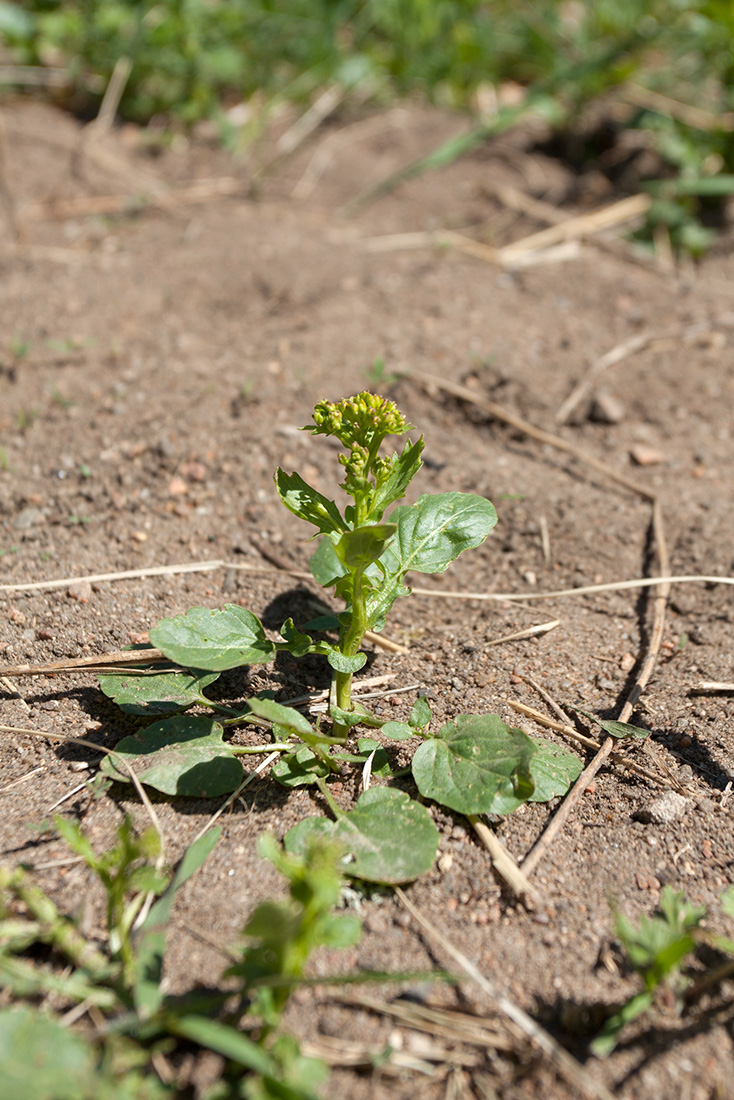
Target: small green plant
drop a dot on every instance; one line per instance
(656, 949)
(473, 765)
(133, 1020)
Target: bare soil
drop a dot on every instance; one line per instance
(172, 352)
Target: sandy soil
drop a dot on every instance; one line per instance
(154, 367)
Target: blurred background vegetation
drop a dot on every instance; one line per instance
(195, 59)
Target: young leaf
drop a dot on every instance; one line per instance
(380, 762)
(361, 547)
(342, 663)
(225, 1040)
(390, 837)
(404, 468)
(298, 644)
(398, 731)
(300, 768)
(613, 728)
(326, 568)
(421, 714)
(476, 765)
(155, 693)
(179, 756)
(553, 770)
(286, 717)
(213, 639)
(307, 503)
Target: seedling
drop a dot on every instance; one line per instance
(473, 765)
(134, 1020)
(364, 556)
(656, 950)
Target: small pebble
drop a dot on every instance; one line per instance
(627, 662)
(81, 591)
(685, 773)
(642, 454)
(662, 810)
(706, 805)
(606, 408)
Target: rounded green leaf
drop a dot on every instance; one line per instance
(398, 731)
(41, 1060)
(476, 765)
(389, 837)
(553, 769)
(213, 639)
(179, 756)
(155, 693)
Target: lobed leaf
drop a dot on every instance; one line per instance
(476, 765)
(213, 639)
(404, 468)
(308, 503)
(184, 756)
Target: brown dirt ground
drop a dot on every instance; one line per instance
(179, 349)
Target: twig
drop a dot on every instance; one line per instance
(531, 632)
(564, 811)
(126, 574)
(502, 861)
(692, 116)
(235, 794)
(573, 734)
(111, 99)
(563, 1061)
(201, 191)
(310, 120)
(617, 354)
(498, 413)
(713, 685)
(102, 662)
(12, 690)
(21, 779)
(545, 538)
(212, 566)
(120, 760)
(581, 226)
(585, 590)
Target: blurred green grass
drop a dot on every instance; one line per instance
(191, 59)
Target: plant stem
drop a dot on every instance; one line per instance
(349, 642)
(337, 812)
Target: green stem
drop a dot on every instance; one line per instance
(337, 812)
(349, 642)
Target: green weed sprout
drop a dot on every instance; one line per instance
(364, 554)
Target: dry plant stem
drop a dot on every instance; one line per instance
(236, 794)
(212, 566)
(577, 228)
(498, 413)
(502, 861)
(449, 1024)
(111, 99)
(12, 690)
(714, 685)
(531, 632)
(566, 808)
(581, 739)
(562, 1060)
(108, 752)
(202, 191)
(617, 354)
